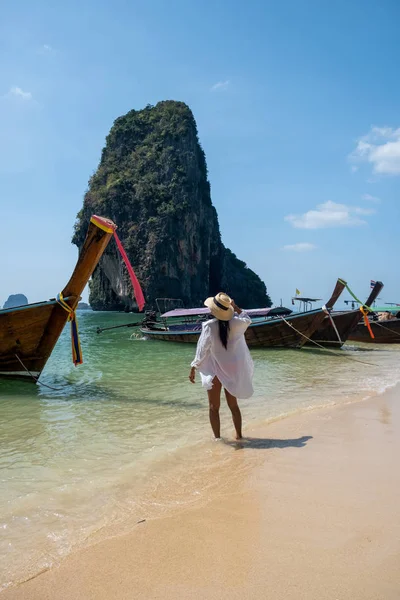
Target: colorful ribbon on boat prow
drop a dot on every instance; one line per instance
(364, 309)
(75, 341)
(137, 290)
(364, 313)
(109, 227)
(362, 305)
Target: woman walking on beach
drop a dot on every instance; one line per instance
(223, 359)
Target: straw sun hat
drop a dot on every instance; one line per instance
(220, 306)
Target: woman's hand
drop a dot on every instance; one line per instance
(192, 375)
(235, 307)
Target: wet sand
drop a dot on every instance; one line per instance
(314, 513)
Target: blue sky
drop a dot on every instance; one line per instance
(297, 107)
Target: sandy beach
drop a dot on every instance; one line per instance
(313, 513)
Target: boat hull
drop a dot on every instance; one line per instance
(345, 323)
(386, 332)
(21, 331)
(326, 335)
(291, 332)
(29, 333)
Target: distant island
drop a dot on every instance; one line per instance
(15, 300)
(152, 181)
(84, 306)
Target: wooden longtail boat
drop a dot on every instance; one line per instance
(271, 332)
(385, 332)
(345, 323)
(29, 333)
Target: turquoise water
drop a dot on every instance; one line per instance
(125, 436)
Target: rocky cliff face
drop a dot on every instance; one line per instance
(152, 182)
(15, 300)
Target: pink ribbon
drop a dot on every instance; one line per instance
(135, 283)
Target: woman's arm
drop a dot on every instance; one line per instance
(242, 315)
(236, 308)
(202, 350)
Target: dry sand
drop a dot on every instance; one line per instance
(315, 516)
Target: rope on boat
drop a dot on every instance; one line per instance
(327, 349)
(387, 328)
(75, 341)
(364, 310)
(334, 326)
(35, 379)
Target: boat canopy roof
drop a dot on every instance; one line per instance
(303, 299)
(252, 312)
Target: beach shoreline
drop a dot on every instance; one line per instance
(311, 511)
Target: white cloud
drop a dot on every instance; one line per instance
(16, 91)
(361, 211)
(220, 85)
(300, 247)
(381, 149)
(330, 214)
(45, 49)
(370, 198)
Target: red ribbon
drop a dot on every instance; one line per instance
(135, 283)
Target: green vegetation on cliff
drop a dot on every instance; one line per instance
(152, 182)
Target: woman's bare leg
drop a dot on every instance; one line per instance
(214, 399)
(236, 414)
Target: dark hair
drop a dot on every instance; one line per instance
(223, 332)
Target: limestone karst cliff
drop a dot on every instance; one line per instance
(15, 300)
(152, 182)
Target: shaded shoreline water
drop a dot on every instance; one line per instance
(125, 436)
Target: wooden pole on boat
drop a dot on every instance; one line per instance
(101, 329)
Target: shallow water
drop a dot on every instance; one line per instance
(125, 436)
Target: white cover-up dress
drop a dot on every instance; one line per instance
(232, 365)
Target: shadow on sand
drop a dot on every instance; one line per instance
(267, 443)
